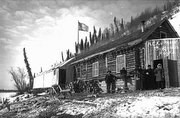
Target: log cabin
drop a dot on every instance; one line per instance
(150, 45)
(157, 43)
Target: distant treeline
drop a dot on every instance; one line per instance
(3, 90)
(119, 27)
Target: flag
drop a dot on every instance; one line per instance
(82, 27)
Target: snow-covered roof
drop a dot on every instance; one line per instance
(122, 42)
(64, 63)
(55, 67)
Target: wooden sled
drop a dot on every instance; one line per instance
(57, 90)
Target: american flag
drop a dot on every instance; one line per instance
(82, 27)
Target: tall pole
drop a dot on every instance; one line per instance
(78, 33)
(78, 38)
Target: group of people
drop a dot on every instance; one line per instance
(110, 80)
(151, 79)
(147, 79)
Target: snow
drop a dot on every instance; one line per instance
(146, 104)
(175, 21)
(150, 106)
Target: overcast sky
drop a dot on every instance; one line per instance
(47, 27)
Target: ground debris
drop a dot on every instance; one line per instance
(144, 104)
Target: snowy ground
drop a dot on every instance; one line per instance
(145, 104)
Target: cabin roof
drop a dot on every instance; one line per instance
(122, 42)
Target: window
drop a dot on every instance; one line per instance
(86, 66)
(83, 70)
(95, 69)
(163, 34)
(78, 71)
(120, 62)
(106, 62)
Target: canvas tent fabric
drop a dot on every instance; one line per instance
(47, 79)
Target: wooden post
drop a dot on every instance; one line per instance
(178, 60)
(78, 33)
(166, 72)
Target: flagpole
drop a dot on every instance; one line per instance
(78, 33)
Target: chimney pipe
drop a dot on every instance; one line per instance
(142, 26)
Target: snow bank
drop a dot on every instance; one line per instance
(149, 107)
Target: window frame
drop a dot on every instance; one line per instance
(106, 61)
(164, 33)
(95, 69)
(78, 70)
(117, 63)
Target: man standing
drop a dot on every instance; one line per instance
(159, 73)
(123, 73)
(140, 75)
(150, 80)
(110, 80)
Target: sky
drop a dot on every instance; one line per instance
(48, 27)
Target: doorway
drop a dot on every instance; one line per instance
(155, 63)
(62, 77)
(173, 73)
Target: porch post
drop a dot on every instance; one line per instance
(178, 72)
(166, 72)
(137, 64)
(146, 54)
(137, 57)
(178, 61)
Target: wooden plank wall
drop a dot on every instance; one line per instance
(142, 60)
(130, 61)
(83, 70)
(178, 52)
(102, 68)
(89, 70)
(111, 62)
(164, 27)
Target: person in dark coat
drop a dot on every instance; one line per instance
(110, 80)
(123, 73)
(140, 74)
(150, 79)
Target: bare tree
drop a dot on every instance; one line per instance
(82, 45)
(91, 39)
(68, 55)
(106, 33)
(19, 76)
(62, 56)
(112, 29)
(76, 47)
(116, 24)
(28, 69)
(95, 35)
(85, 43)
(41, 70)
(99, 35)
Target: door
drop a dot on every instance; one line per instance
(62, 77)
(173, 73)
(155, 63)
